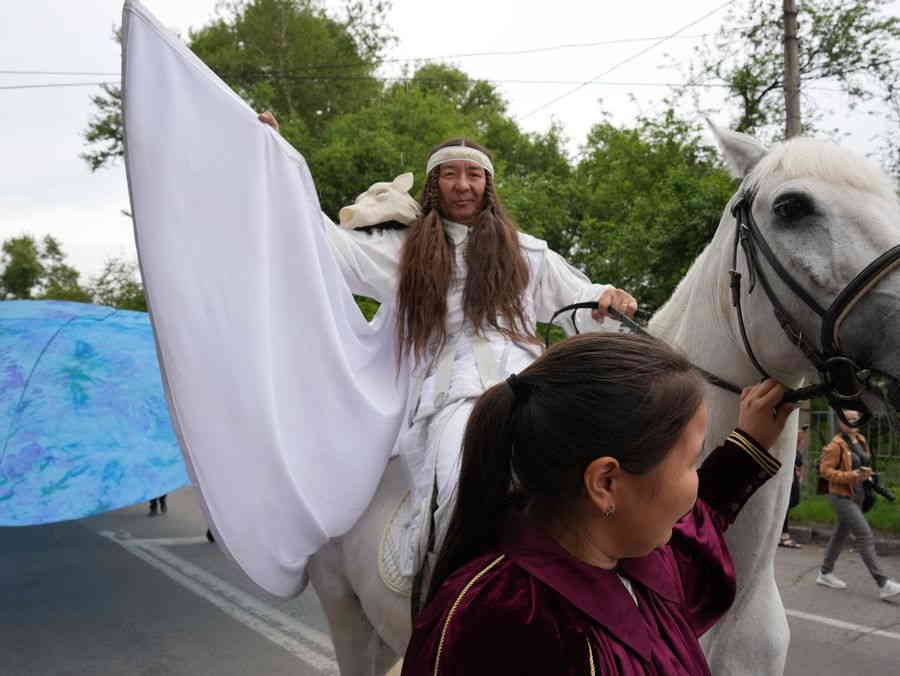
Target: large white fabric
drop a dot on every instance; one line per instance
(285, 400)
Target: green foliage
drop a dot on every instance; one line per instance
(287, 56)
(849, 43)
(105, 135)
(37, 270)
(396, 131)
(649, 198)
(22, 267)
(290, 57)
(118, 286)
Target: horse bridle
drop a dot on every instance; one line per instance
(843, 381)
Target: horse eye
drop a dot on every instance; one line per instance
(793, 206)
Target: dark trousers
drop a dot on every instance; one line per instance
(850, 519)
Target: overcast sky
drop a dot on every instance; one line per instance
(45, 188)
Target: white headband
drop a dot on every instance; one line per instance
(465, 153)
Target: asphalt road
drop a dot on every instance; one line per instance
(123, 594)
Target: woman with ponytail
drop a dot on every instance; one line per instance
(587, 538)
(467, 289)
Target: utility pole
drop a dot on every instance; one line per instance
(791, 71)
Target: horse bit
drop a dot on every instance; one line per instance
(842, 380)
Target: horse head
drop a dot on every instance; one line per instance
(830, 220)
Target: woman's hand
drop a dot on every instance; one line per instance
(269, 119)
(759, 418)
(622, 301)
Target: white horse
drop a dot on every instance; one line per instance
(826, 213)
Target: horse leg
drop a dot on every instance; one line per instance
(753, 636)
(359, 649)
(760, 611)
(388, 610)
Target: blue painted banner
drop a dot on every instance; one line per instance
(84, 426)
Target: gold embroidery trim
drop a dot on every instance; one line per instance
(766, 462)
(437, 661)
(590, 656)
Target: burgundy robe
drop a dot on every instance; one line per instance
(529, 607)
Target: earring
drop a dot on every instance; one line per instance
(609, 512)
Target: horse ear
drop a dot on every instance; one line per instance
(740, 151)
(404, 181)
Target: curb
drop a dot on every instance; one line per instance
(820, 535)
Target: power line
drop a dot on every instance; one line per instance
(53, 72)
(540, 50)
(404, 79)
(700, 85)
(57, 84)
(628, 60)
(325, 66)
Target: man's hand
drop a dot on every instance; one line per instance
(863, 473)
(269, 119)
(758, 417)
(622, 301)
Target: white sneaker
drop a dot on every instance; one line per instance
(888, 590)
(831, 580)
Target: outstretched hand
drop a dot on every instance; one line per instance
(761, 417)
(269, 119)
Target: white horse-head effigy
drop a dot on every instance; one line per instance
(826, 214)
(384, 201)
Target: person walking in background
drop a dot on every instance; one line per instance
(158, 505)
(845, 464)
(802, 440)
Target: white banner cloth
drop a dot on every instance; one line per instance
(286, 402)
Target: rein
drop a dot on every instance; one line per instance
(621, 317)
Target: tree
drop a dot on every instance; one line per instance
(396, 131)
(118, 286)
(37, 270)
(646, 200)
(288, 56)
(851, 44)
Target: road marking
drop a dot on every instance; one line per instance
(839, 624)
(281, 628)
(278, 627)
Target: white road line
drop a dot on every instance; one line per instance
(271, 615)
(278, 627)
(167, 542)
(839, 624)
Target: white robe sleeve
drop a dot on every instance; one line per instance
(369, 259)
(562, 284)
(285, 401)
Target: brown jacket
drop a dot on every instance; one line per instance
(836, 465)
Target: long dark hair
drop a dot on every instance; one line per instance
(529, 441)
(497, 272)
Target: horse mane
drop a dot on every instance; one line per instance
(807, 157)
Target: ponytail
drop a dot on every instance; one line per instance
(530, 439)
(484, 493)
